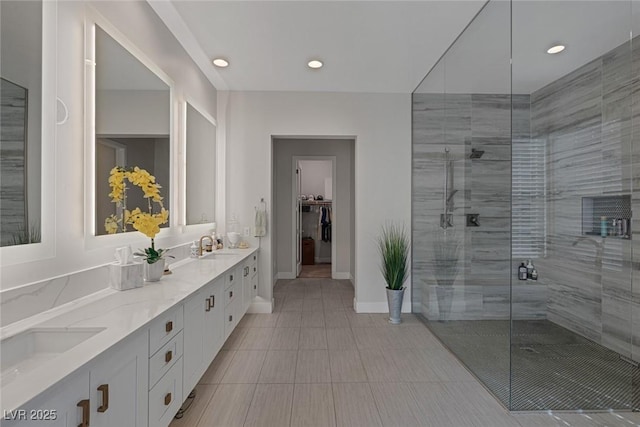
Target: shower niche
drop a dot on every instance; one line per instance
(607, 216)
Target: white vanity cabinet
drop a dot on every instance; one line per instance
(233, 309)
(64, 405)
(253, 273)
(118, 385)
(165, 353)
(109, 391)
(143, 379)
(249, 280)
(203, 331)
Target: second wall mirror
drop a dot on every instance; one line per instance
(200, 166)
(132, 129)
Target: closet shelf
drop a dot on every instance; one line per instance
(316, 202)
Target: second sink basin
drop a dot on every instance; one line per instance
(29, 349)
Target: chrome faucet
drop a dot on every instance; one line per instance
(200, 245)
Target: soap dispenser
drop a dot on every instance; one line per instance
(194, 249)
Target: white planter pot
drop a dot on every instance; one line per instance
(153, 272)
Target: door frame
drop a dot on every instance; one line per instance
(294, 199)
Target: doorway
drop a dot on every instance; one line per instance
(314, 180)
(292, 221)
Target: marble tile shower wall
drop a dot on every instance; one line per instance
(461, 122)
(586, 118)
(26, 301)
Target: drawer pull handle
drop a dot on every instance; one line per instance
(230, 294)
(231, 318)
(208, 305)
(167, 399)
(213, 301)
(84, 404)
(231, 277)
(169, 326)
(254, 287)
(254, 257)
(168, 356)
(104, 388)
(254, 269)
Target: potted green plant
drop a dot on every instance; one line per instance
(393, 244)
(148, 223)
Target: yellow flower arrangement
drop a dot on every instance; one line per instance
(148, 222)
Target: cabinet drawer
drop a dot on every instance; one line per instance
(165, 398)
(164, 328)
(232, 277)
(231, 316)
(164, 359)
(231, 293)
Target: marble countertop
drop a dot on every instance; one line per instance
(120, 313)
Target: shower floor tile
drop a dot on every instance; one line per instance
(552, 367)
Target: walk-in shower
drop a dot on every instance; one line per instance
(527, 159)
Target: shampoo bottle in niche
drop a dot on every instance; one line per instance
(530, 268)
(603, 226)
(522, 272)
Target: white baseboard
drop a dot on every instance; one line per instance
(377, 307)
(285, 275)
(342, 276)
(260, 306)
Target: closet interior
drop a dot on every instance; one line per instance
(315, 183)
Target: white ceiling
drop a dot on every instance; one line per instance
(367, 46)
(388, 46)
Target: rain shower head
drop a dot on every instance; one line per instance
(476, 154)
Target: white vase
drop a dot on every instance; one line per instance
(153, 272)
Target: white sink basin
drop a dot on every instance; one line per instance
(27, 350)
(217, 255)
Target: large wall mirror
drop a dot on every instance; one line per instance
(132, 128)
(27, 130)
(200, 148)
(20, 122)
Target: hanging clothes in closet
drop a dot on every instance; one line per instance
(325, 224)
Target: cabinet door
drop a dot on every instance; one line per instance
(194, 318)
(57, 407)
(214, 322)
(118, 384)
(254, 285)
(247, 295)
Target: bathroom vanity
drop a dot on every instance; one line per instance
(127, 358)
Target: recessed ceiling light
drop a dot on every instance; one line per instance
(555, 49)
(221, 62)
(314, 63)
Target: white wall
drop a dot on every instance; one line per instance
(115, 108)
(314, 173)
(381, 124)
(137, 21)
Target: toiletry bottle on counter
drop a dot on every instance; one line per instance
(522, 272)
(194, 249)
(530, 269)
(534, 274)
(603, 226)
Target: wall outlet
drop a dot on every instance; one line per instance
(247, 231)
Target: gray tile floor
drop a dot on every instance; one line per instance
(315, 362)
